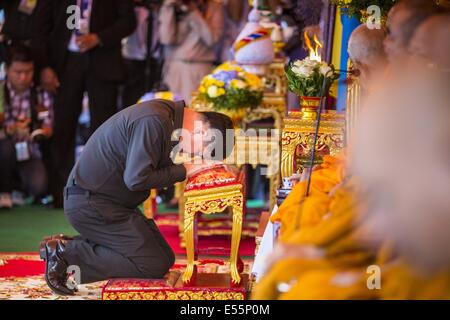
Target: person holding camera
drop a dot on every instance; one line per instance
(190, 30)
(25, 124)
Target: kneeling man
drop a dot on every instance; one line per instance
(126, 157)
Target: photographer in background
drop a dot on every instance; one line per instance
(25, 124)
(190, 30)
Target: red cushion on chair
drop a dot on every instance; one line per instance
(217, 176)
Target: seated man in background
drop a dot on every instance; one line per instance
(428, 47)
(27, 123)
(403, 20)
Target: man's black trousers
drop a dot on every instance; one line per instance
(114, 242)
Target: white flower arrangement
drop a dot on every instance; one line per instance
(306, 77)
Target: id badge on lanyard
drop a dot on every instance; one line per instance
(27, 6)
(22, 151)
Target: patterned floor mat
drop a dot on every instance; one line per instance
(33, 287)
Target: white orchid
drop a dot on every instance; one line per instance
(326, 70)
(298, 63)
(310, 63)
(296, 70)
(306, 71)
(305, 77)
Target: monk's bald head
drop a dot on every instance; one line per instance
(403, 20)
(366, 50)
(429, 45)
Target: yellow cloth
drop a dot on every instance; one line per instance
(285, 271)
(330, 284)
(323, 181)
(326, 219)
(329, 219)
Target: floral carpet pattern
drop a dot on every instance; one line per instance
(34, 287)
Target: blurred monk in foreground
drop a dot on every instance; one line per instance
(326, 248)
(409, 202)
(321, 234)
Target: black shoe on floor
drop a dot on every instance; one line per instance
(56, 268)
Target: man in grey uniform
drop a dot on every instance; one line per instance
(126, 157)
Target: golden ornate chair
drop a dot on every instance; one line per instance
(212, 191)
(251, 150)
(275, 79)
(259, 150)
(273, 106)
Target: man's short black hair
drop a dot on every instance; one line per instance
(18, 53)
(224, 126)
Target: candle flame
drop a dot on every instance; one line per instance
(314, 52)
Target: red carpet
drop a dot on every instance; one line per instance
(17, 266)
(21, 277)
(210, 245)
(22, 268)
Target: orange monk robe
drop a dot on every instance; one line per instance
(342, 274)
(329, 222)
(330, 284)
(323, 180)
(401, 282)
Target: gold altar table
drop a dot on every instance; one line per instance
(298, 136)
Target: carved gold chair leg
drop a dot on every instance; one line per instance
(287, 163)
(181, 205)
(150, 205)
(179, 194)
(235, 241)
(274, 183)
(189, 221)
